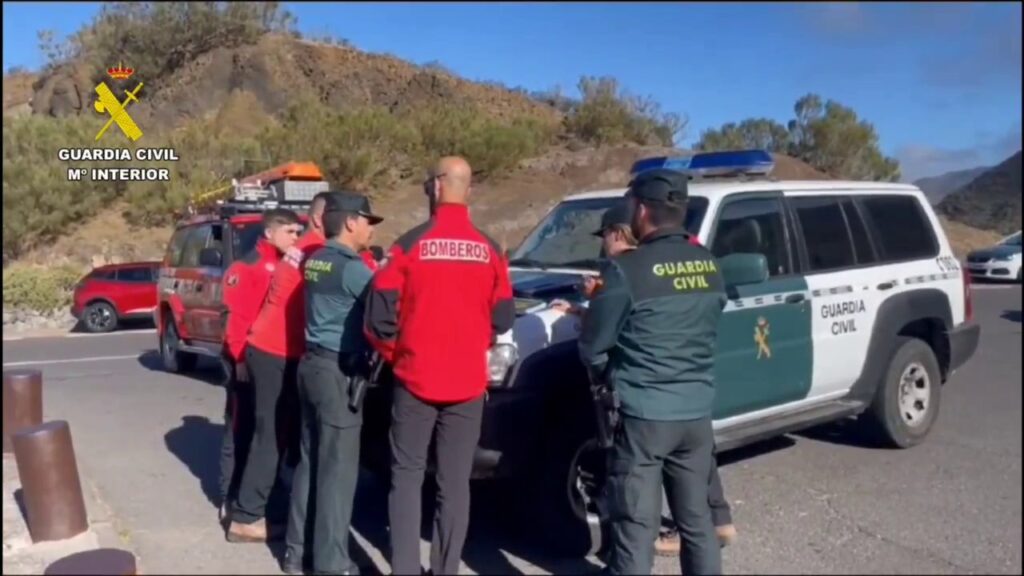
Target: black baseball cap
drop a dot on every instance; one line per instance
(660, 185)
(618, 214)
(351, 202)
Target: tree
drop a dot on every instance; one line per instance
(827, 135)
(833, 140)
(758, 133)
(608, 115)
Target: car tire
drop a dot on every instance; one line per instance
(174, 360)
(906, 403)
(566, 515)
(99, 317)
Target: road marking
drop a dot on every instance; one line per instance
(80, 335)
(68, 361)
(122, 332)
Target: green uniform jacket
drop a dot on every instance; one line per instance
(650, 331)
(336, 281)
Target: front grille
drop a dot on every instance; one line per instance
(978, 259)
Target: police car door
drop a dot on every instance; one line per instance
(764, 355)
(836, 251)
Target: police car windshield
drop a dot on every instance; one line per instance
(565, 236)
(1012, 240)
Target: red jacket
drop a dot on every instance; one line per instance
(245, 288)
(280, 328)
(368, 259)
(436, 305)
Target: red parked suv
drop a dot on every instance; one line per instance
(110, 294)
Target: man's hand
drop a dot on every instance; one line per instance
(241, 372)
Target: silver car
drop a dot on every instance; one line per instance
(1000, 262)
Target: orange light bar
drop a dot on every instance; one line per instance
(289, 171)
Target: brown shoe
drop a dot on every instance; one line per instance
(245, 533)
(668, 543)
(726, 534)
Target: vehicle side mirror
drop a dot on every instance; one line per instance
(741, 269)
(211, 258)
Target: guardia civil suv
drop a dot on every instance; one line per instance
(845, 300)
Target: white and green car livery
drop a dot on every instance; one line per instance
(845, 299)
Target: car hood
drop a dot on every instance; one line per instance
(996, 252)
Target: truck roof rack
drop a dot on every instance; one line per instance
(291, 185)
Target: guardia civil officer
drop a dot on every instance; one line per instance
(649, 334)
(334, 366)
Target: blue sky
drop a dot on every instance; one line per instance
(940, 82)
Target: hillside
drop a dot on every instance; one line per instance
(936, 188)
(278, 69)
(992, 201)
(507, 208)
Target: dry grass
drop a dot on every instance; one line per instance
(965, 238)
(105, 239)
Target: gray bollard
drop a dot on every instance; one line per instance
(50, 486)
(23, 402)
(102, 561)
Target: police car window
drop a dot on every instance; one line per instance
(858, 230)
(1012, 240)
(102, 275)
(900, 228)
(826, 237)
(754, 226)
(566, 234)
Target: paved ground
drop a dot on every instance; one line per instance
(811, 503)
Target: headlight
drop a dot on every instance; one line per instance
(1005, 258)
(500, 358)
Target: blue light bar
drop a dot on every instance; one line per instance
(704, 164)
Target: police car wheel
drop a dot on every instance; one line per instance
(99, 317)
(572, 478)
(906, 403)
(174, 360)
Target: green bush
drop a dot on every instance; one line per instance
(492, 147)
(161, 37)
(39, 201)
(40, 289)
(607, 115)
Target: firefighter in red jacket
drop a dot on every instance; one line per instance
(433, 312)
(245, 287)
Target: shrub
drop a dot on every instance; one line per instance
(606, 115)
(161, 37)
(39, 289)
(492, 147)
(39, 201)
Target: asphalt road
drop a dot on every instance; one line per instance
(813, 503)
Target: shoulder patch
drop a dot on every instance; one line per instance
(269, 266)
(232, 279)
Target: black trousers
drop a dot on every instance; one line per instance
(324, 485)
(274, 393)
(413, 424)
(238, 430)
(721, 513)
(646, 453)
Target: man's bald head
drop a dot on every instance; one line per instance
(454, 179)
